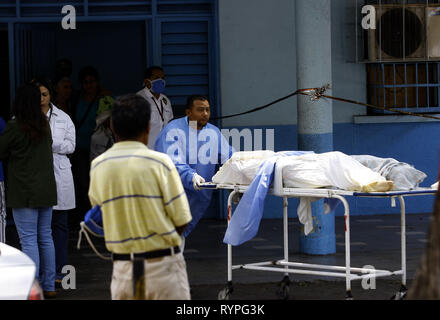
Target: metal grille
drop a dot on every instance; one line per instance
(403, 69)
(185, 59)
(11, 10)
(406, 86)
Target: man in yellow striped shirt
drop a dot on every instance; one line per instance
(144, 209)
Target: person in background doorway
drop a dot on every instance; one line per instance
(86, 106)
(161, 110)
(63, 68)
(63, 136)
(102, 138)
(26, 145)
(63, 95)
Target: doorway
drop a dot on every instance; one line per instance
(5, 109)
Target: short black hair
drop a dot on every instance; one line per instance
(191, 99)
(130, 116)
(64, 61)
(149, 72)
(63, 68)
(88, 71)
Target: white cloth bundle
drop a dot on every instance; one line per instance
(332, 169)
(241, 168)
(404, 176)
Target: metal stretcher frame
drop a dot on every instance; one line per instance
(2, 213)
(347, 272)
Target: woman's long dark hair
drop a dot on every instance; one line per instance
(27, 111)
(42, 81)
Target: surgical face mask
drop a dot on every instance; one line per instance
(158, 86)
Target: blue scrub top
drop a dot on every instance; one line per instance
(176, 135)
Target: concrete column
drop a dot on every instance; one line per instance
(315, 119)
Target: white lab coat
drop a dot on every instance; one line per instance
(156, 123)
(63, 136)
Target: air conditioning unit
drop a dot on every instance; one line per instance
(405, 33)
(433, 32)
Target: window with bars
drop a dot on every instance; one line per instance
(403, 56)
(405, 86)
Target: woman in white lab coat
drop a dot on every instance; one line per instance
(63, 136)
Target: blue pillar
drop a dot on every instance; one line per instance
(315, 119)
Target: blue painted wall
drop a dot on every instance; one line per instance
(257, 60)
(413, 143)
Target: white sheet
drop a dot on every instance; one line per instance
(241, 168)
(404, 176)
(332, 169)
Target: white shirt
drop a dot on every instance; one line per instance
(63, 136)
(161, 114)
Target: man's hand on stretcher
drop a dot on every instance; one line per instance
(197, 181)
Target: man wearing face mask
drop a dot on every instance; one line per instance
(161, 110)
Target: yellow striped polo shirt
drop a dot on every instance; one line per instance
(141, 197)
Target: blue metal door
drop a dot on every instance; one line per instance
(185, 48)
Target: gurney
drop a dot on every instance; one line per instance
(2, 213)
(289, 267)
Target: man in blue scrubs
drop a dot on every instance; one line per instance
(196, 147)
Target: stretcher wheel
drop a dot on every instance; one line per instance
(225, 293)
(348, 296)
(284, 288)
(401, 294)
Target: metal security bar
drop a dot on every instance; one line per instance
(401, 54)
(17, 10)
(398, 30)
(406, 86)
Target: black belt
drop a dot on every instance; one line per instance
(146, 255)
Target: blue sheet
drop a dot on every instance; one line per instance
(246, 219)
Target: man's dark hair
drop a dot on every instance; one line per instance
(63, 68)
(130, 116)
(27, 111)
(191, 99)
(64, 62)
(149, 72)
(88, 71)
